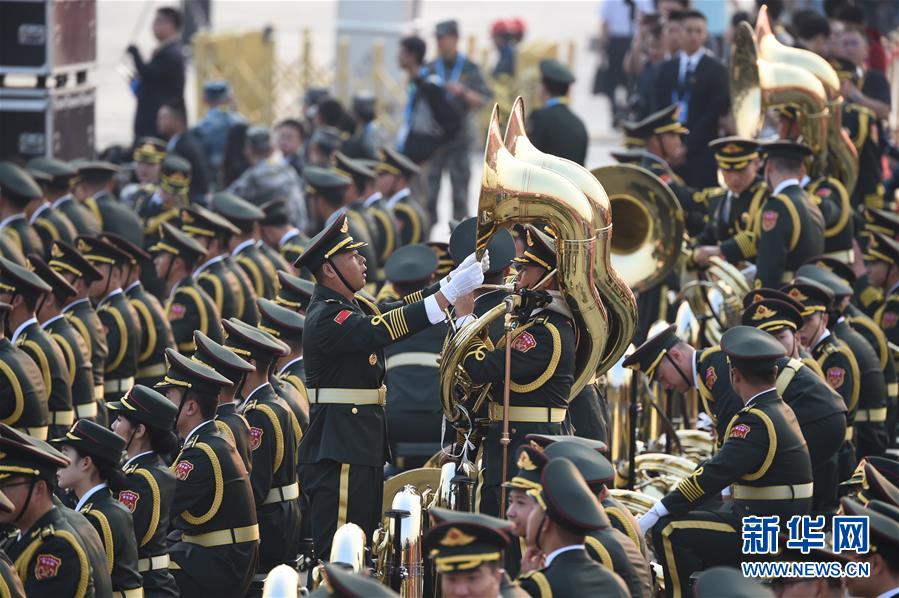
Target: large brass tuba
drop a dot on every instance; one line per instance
(615, 293)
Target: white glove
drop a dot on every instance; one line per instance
(485, 261)
(463, 282)
(468, 261)
(647, 521)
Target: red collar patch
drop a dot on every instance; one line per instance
(342, 316)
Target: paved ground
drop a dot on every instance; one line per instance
(122, 21)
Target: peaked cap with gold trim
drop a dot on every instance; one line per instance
(464, 541)
(331, 241)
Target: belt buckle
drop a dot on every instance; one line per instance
(382, 396)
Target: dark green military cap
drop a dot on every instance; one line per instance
(16, 183)
(665, 120)
(756, 295)
(61, 172)
(634, 139)
(734, 153)
(150, 150)
(826, 278)
(177, 243)
(540, 249)
(530, 461)
(92, 439)
(544, 440)
(567, 499)
(25, 455)
(878, 487)
(351, 168)
(461, 541)
(280, 321)
(339, 583)
(631, 156)
(501, 246)
(276, 212)
(40, 177)
(326, 182)
(218, 357)
(839, 269)
(812, 295)
(553, 70)
(882, 248)
(68, 260)
(96, 171)
(295, 292)
(61, 287)
(727, 582)
(235, 209)
(883, 523)
(186, 373)
(16, 279)
(250, 342)
(411, 263)
(784, 148)
(647, 356)
(596, 470)
(329, 242)
(175, 175)
(144, 405)
(392, 161)
(772, 315)
(125, 246)
(746, 344)
(881, 221)
(97, 251)
(198, 221)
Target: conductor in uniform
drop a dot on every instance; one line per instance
(554, 128)
(764, 457)
(17, 189)
(343, 451)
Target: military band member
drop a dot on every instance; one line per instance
(17, 190)
(375, 204)
(229, 421)
(23, 290)
(10, 584)
(50, 223)
(244, 246)
(187, 306)
(381, 228)
(882, 260)
(58, 193)
(148, 154)
(168, 199)
(395, 171)
(344, 449)
(49, 555)
(145, 420)
(295, 292)
(273, 443)
(94, 190)
(279, 234)
(92, 475)
(883, 553)
(215, 543)
(764, 457)
(287, 326)
(542, 367)
(340, 583)
(70, 341)
(22, 380)
(78, 272)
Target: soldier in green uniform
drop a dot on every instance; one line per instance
(17, 190)
(883, 550)
(228, 420)
(23, 290)
(279, 234)
(155, 330)
(50, 223)
(92, 475)
(384, 231)
(287, 326)
(58, 193)
(48, 553)
(395, 171)
(214, 546)
(78, 272)
(94, 189)
(344, 449)
(148, 154)
(70, 341)
(10, 584)
(21, 379)
(244, 246)
(764, 458)
(542, 367)
(273, 443)
(187, 306)
(882, 260)
(144, 419)
(381, 229)
(554, 128)
(295, 292)
(120, 322)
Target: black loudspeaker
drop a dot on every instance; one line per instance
(46, 37)
(47, 122)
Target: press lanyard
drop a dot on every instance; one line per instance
(457, 68)
(555, 102)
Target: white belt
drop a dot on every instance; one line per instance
(871, 415)
(347, 396)
(850, 432)
(154, 563)
(847, 256)
(62, 418)
(98, 392)
(893, 389)
(151, 371)
(118, 384)
(422, 359)
(39, 432)
(282, 493)
(785, 492)
(86, 410)
(528, 414)
(224, 537)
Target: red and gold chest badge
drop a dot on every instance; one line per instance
(342, 316)
(711, 376)
(824, 192)
(889, 319)
(769, 220)
(183, 469)
(524, 342)
(177, 311)
(836, 377)
(46, 566)
(129, 498)
(739, 431)
(255, 438)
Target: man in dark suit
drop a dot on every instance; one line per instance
(554, 128)
(161, 79)
(694, 79)
(172, 124)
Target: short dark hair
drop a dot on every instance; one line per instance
(177, 107)
(809, 24)
(331, 112)
(555, 88)
(172, 14)
(740, 17)
(850, 13)
(784, 164)
(755, 373)
(293, 124)
(694, 14)
(416, 46)
(206, 402)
